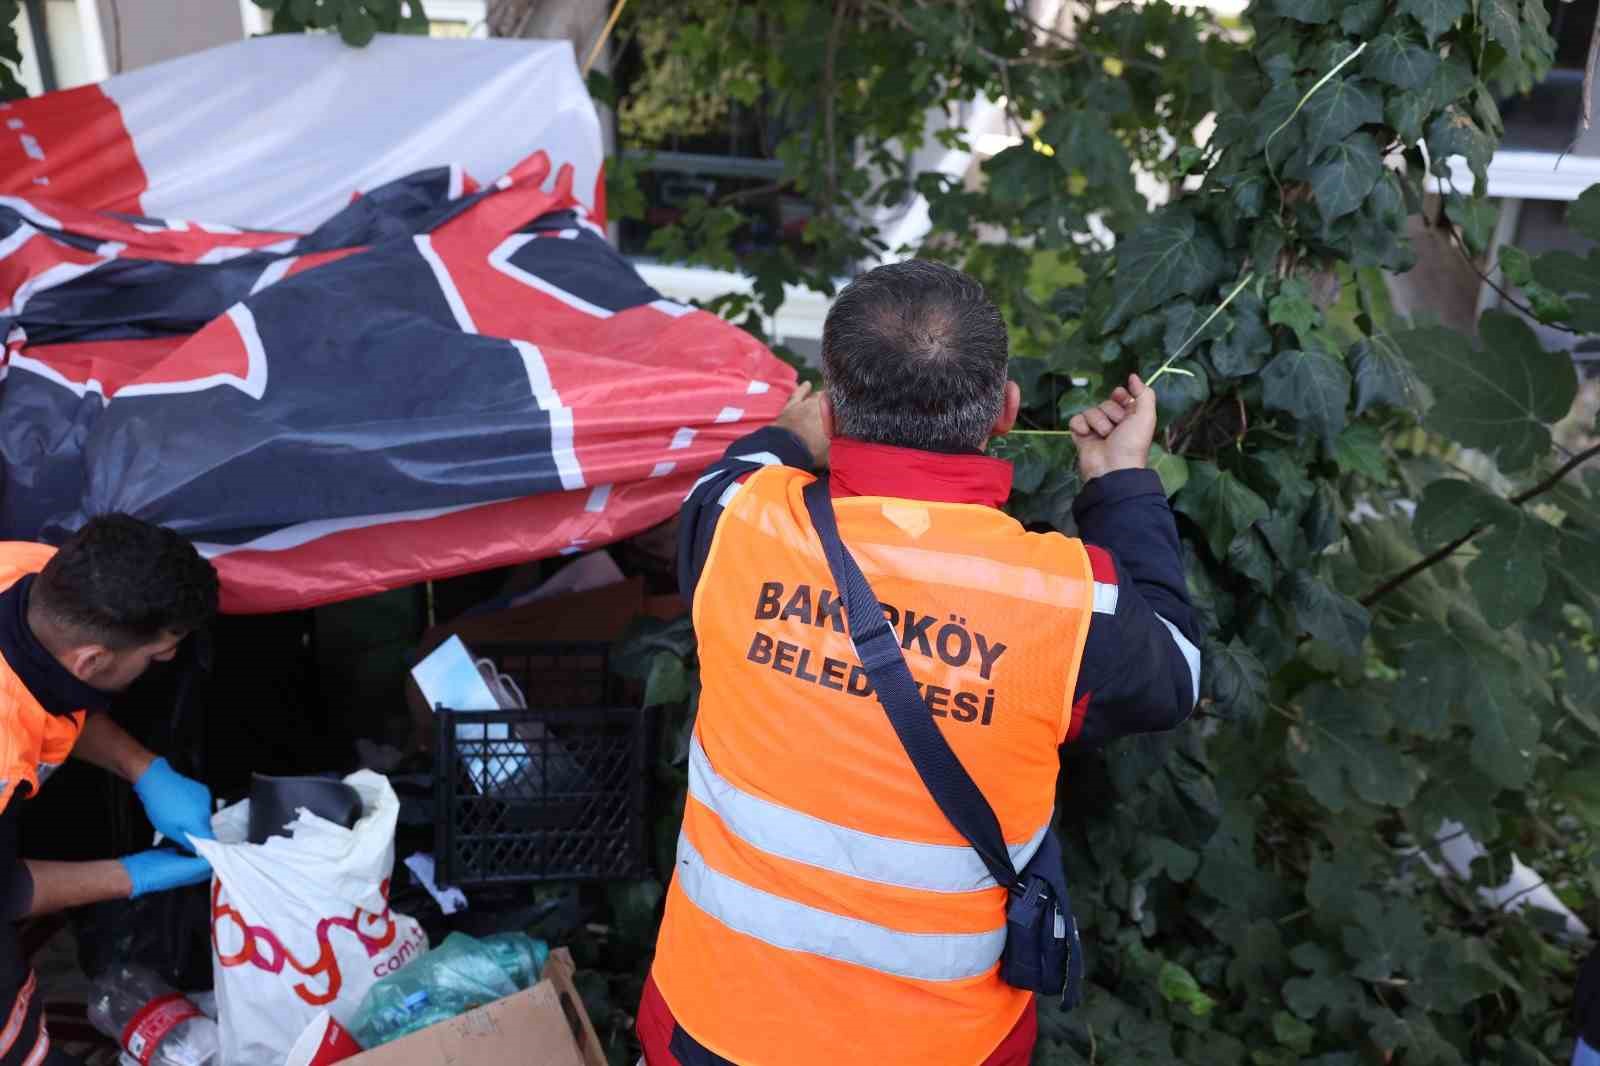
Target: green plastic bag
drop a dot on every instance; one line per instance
(459, 975)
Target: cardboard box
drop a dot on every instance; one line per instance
(543, 1026)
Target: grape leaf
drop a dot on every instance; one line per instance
(1566, 272)
(1500, 399)
(1220, 504)
(1452, 508)
(1337, 110)
(1435, 16)
(1382, 375)
(1328, 615)
(1508, 576)
(1339, 750)
(1168, 256)
(1345, 174)
(1584, 214)
(1456, 674)
(1456, 791)
(1399, 61)
(1313, 387)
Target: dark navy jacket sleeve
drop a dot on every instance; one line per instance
(1141, 661)
(703, 509)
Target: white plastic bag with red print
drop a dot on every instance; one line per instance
(302, 924)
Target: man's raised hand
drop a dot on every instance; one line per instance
(1116, 434)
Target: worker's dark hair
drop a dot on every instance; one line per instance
(122, 583)
(915, 356)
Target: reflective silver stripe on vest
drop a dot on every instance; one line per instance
(794, 926)
(791, 834)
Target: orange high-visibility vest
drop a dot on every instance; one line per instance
(33, 742)
(823, 909)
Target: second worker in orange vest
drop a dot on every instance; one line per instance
(822, 908)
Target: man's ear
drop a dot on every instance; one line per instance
(87, 662)
(827, 414)
(1008, 411)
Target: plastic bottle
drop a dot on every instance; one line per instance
(154, 1025)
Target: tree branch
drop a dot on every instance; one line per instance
(1455, 238)
(829, 111)
(1445, 551)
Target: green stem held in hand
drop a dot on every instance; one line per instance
(1167, 367)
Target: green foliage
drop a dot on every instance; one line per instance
(356, 21)
(10, 50)
(1393, 563)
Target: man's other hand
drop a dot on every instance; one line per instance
(161, 870)
(802, 416)
(1116, 435)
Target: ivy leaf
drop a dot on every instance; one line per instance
(1502, 403)
(1454, 133)
(1360, 450)
(1173, 859)
(1345, 174)
(1500, 20)
(1337, 110)
(1360, 17)
(1516, 265)
(1452, 508)
(1220, 504)
(1275, 120)
(1435, 16)
(1584, 214)
(1339, 751)
(1328, 615)
(1244, 349)
(1183, 320)
(1168, 256)
(1508, 576)
(1311, 12)
(1382, 375)
(1178, 985)
(1292, 307)
(1173, 470)
(1234, 680)
(1406, 112)
(1475, 216)
(1313, 387)
(1399, 61)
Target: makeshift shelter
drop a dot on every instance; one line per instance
(257, 295)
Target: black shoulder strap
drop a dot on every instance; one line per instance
(947, 781)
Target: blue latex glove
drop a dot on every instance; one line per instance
(179, 807)
(163, 869)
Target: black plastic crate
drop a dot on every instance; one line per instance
(557, 792)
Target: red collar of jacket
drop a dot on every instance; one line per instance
(859, 469)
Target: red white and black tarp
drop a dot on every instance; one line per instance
(256, 294)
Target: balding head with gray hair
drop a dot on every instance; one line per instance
(915, 356)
